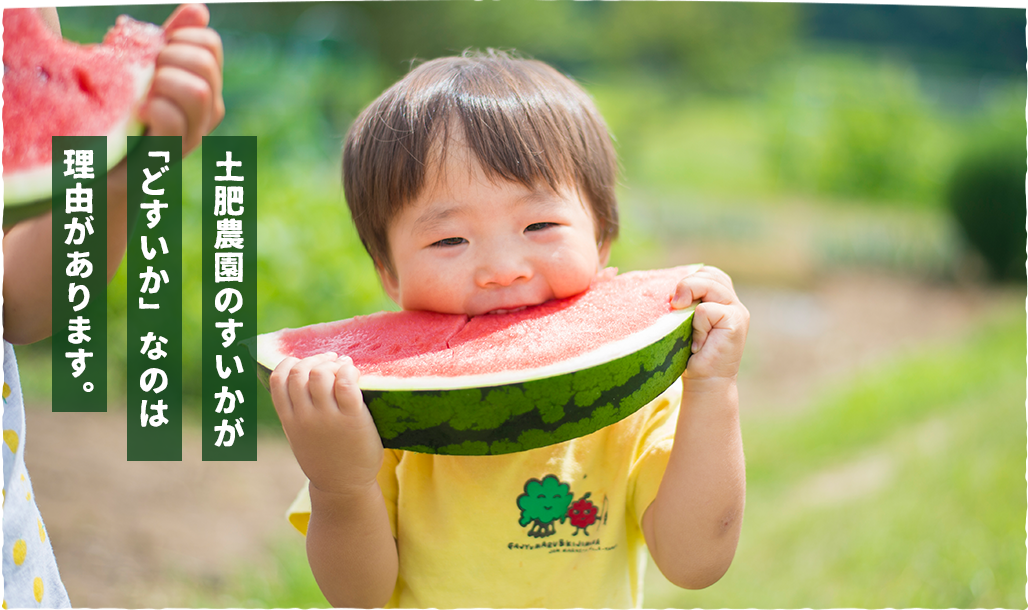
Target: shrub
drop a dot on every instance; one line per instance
(851, 126)
(986, 195)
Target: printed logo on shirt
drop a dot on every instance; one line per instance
(547, 501)
(543, 503)
(582, 514)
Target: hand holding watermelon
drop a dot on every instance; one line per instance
(350, 545)
(720, 323)
(185, 97)
(697, 513)
(329, 429)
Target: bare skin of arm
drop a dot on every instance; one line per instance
(185, 99)
(350, 545)
(351, 549)
(692, 526)
(28, 265)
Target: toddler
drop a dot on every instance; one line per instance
(482, 184)
(184, 100)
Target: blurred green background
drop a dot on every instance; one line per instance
(785, 143)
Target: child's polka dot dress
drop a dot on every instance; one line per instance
(31, 579)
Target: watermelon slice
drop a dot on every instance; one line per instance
(499, 383)
(54, 87)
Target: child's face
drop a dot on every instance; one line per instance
(471, 245)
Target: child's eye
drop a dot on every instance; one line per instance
(450, 241)
(539, 226)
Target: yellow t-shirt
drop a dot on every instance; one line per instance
(554, 527)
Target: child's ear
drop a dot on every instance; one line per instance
(390, 283)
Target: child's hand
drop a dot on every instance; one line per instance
(719, 324)
(185, 96)
(329, 429)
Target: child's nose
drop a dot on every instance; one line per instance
(502, 269)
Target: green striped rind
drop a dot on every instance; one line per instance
(526, 415)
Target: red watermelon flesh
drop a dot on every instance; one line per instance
(54, 87)
(423, 347)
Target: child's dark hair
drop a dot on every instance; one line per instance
(521, 119)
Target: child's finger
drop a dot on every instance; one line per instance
(199, 51)
(717, 275)
(279, 392)
(187, 93)
(298, 382)
(206, 64)
(204, 38)
(187, 15)
(194, 59)
(707, 317)
(702, 287)
(347, 392)
(700, 329)
(322, 378)
(728, 322)
(164, 118)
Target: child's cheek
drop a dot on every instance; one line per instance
(572, 272)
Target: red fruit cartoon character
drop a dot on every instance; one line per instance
(582, 514)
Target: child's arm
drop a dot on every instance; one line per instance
(350, 545)
(184, 99)
(692, 526)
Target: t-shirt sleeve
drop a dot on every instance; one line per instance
(299, 513)
(653, 450)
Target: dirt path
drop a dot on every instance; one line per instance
(150, 534)
(146, 534)
(800, 342)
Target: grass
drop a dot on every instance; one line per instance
(824, 124)
(904, 488)
(288, 583)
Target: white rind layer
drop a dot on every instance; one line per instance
(36, 184)
(269, 355)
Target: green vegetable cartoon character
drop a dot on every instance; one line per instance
(543, 503)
